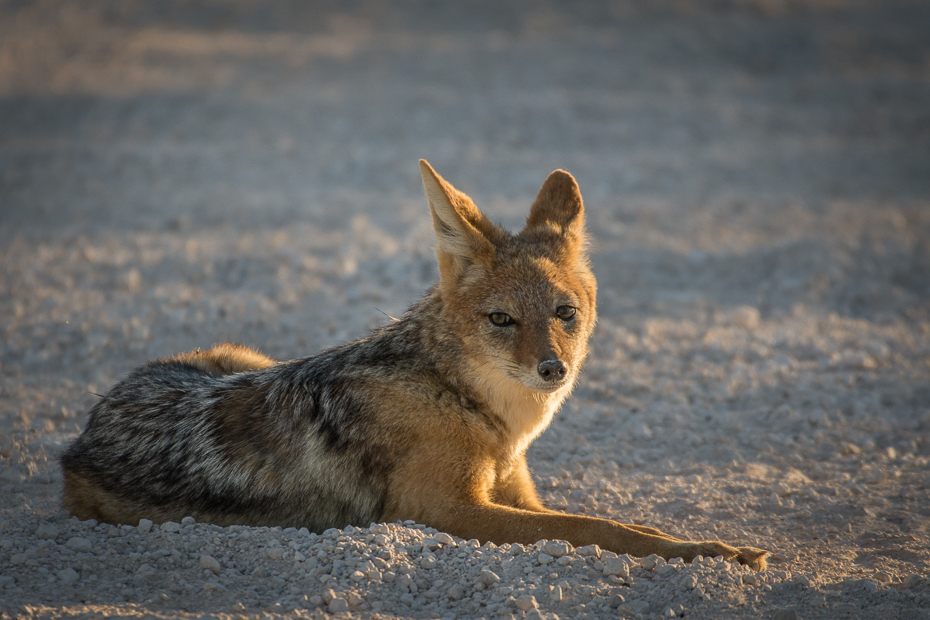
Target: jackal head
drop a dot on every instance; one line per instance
(522, 305)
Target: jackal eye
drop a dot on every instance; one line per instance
(500, 319)
(566, 313)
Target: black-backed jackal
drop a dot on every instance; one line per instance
(428, 418)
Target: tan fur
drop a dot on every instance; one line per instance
(226, 358)
(445, 400)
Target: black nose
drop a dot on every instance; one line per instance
(551, 370)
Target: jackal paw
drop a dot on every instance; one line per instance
(752, 557)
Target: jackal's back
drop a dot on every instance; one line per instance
(285, 445)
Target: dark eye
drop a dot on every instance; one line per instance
(500, 319)
(566, 313)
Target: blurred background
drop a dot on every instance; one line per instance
(176, 173)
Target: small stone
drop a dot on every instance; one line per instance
(690, 582)
(911, 581)
(527, 603)
(209, 563)
(488, 578)
(357, 576)
(750, 579)
(616, 566)
(145, 525)
(746, 317)
(354, 600)
(616, 601)
(68, 576)
(430, 543)
(80, 545)
(47, 531)
(456, 592)
(337, 605)
(212, 586)
(275, 553)
(544, 558)
(444, 538)
(650, 562)
(589, 551)
(557, 548)
(429, 561)
(171, 527)
(556, 594)
(188, 521)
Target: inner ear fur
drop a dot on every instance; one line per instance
(464, 236)
(558, 205)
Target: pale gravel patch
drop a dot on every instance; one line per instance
(756, 182)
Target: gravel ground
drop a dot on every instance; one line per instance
(757, 179)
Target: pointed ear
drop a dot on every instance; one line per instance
(558, 205)
(463, 233)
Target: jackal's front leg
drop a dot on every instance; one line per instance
(502, 524)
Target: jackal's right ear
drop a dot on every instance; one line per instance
(463, 233)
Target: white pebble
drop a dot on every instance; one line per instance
(68, 575)
(527, 603)
(690, 582)
(47, 531)
(557, 548)
(145, 525)
(616, 566)
(488, 578)
(544, 558)
(209, 563)
(80, 545)
(589, 551)
(171, 527)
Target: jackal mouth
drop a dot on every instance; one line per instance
(546, 388)
(539, 385)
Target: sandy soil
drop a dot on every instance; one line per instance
(757, 179)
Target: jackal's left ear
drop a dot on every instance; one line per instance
(558, 205)
(463, 233)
